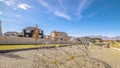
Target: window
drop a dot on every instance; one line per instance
(28, 31)
(27, 35)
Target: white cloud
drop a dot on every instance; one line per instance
(1, 12)
(14, 8)
(55, 11)
(23, 6)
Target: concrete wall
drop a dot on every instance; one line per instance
(23, 40)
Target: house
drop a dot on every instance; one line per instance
(59, 36)
(28, 32)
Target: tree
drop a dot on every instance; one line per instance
(36, 34)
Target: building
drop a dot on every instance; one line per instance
(59, 36)
(85, 39)
(96, 40)
(48, 37)
(28, 32)
(0, 29)
(13, 33)
(21, 34)
(74, 40)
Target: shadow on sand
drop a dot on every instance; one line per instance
(10, 55)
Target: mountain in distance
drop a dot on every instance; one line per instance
(104, 37)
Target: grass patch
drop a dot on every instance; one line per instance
(11, 47)
(116, 45)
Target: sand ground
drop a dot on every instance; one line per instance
(25, 59)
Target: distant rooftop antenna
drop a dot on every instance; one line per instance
(0, 29)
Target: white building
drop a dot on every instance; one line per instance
(0, 29)
(11, 33)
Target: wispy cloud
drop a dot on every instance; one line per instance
(8, 2)
(92, 14)
(82, 5)
(55, 11)
(62, 14)
(11, 3)
(62, 4)
(18, 16)
(23, 6)
(14, 4)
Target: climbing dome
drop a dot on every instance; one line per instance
(77, 56)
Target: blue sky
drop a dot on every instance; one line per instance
(75, 17)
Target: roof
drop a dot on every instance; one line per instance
(58, 32)
(11, 32)
(30, 28)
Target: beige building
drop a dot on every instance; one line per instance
(59, 36)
